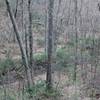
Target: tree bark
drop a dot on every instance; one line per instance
(49, 49)
(30, 38)
(15, 15)
(76, 40)
(30, 34)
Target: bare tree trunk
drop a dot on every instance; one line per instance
(76, 40)
(46, 44)
(15, 15)
(30, 37)
(26, 42)
(76, 48)
(49, 49)
(24, 57)
(22, 17)
(30, 33)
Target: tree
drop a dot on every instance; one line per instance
(30, 37)
(50, 40)
(23, 53)
(76, 40)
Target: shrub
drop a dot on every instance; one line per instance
(6, 64)
(40, 57)
(39, 90)
(64, 57)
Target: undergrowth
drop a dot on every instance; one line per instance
(39, 91)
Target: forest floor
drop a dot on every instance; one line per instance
(68, 92)
(60, 79)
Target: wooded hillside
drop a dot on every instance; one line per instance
(49, 49)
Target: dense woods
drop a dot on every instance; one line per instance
(49, 49)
